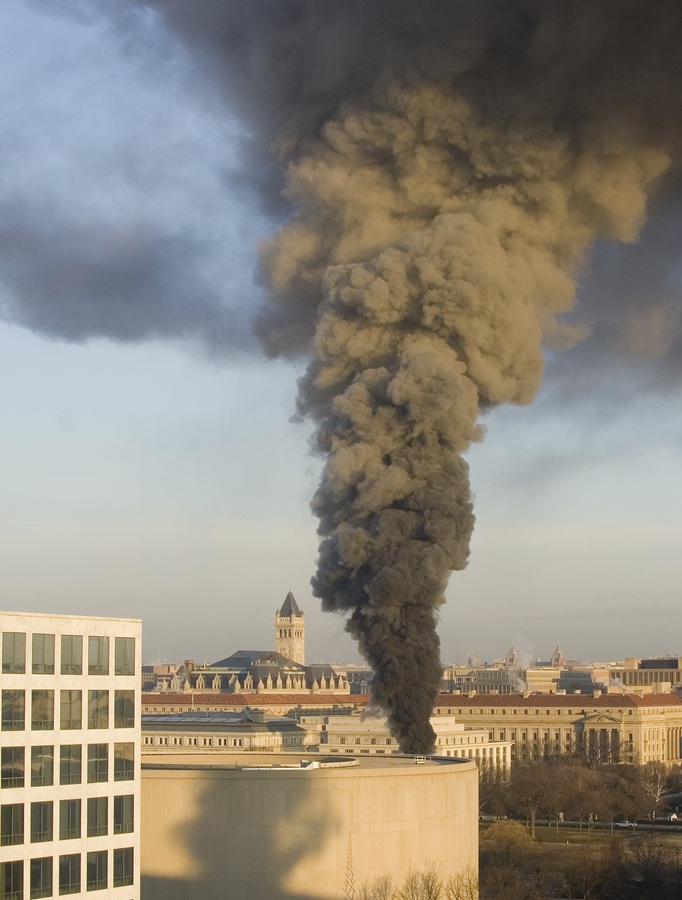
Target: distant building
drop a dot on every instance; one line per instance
(483, 680)
(358, 676)
(70, 757)
(651, 675)
(258, 671)
(290, 630)
(604, 727)
(366, 734)
(293, 703)
(250, 730)
(511, 677)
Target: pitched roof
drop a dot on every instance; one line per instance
(197, 698)
(570, 701)
(290, 607)
(244, 659)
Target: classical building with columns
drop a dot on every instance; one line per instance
(606, 727)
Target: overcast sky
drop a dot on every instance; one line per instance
(150, 467)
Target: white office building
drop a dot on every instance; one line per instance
(69, 757)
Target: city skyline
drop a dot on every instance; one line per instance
(150, 467)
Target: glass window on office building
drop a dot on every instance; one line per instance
(41, 821)
(42, 766)
(42, 654)
(71, 710)
(13, 653)
(98, 655)
(11, 824)
(12, 880)
(124, 709)
(98, 813)
(123, 866)
(11, 767)
(124, 653)
(72, 654)
(70, 763)
(69, 819)
(42, 710)
(13, 710)
(124, 761)
(98, 763)
(41, 877)
(70, 873)
(98, 709)
(124, 814)
(96, 870)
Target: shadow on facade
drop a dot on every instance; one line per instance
(261, 836)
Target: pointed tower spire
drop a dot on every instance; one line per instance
(290, 630)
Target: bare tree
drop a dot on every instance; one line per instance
(380, 888)
(463, 886)
(425, 885)
(650, 860)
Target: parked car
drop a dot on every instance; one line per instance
(625, 824)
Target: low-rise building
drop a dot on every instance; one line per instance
(250, 730)
(367, 734)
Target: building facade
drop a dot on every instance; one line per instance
(650, 675)
(250, 730)
(364, 734)
(70, 757)
(606, 727)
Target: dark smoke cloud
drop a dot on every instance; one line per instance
(123, 282)
(444, 171)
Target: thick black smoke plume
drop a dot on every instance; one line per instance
(445, 168)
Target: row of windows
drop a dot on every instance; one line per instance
(544, 711)
(70, 819)
(43, 654)
(41, 875)
(42, 763)
(70, 710)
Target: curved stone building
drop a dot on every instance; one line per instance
(247, 827)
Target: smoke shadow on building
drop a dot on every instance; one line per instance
(216, 832)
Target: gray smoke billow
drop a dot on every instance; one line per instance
(443, 170)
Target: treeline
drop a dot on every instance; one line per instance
(514, 867)
(568, 788)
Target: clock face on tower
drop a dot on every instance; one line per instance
(284, 650)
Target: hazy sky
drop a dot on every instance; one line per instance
(155, 472)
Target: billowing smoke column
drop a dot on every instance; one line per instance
(447, 169)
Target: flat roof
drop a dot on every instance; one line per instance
(229, 761)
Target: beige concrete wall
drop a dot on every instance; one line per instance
(270, 835)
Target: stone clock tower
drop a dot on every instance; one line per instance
(290, 630)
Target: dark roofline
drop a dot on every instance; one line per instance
(290, 607)
(614, 701)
